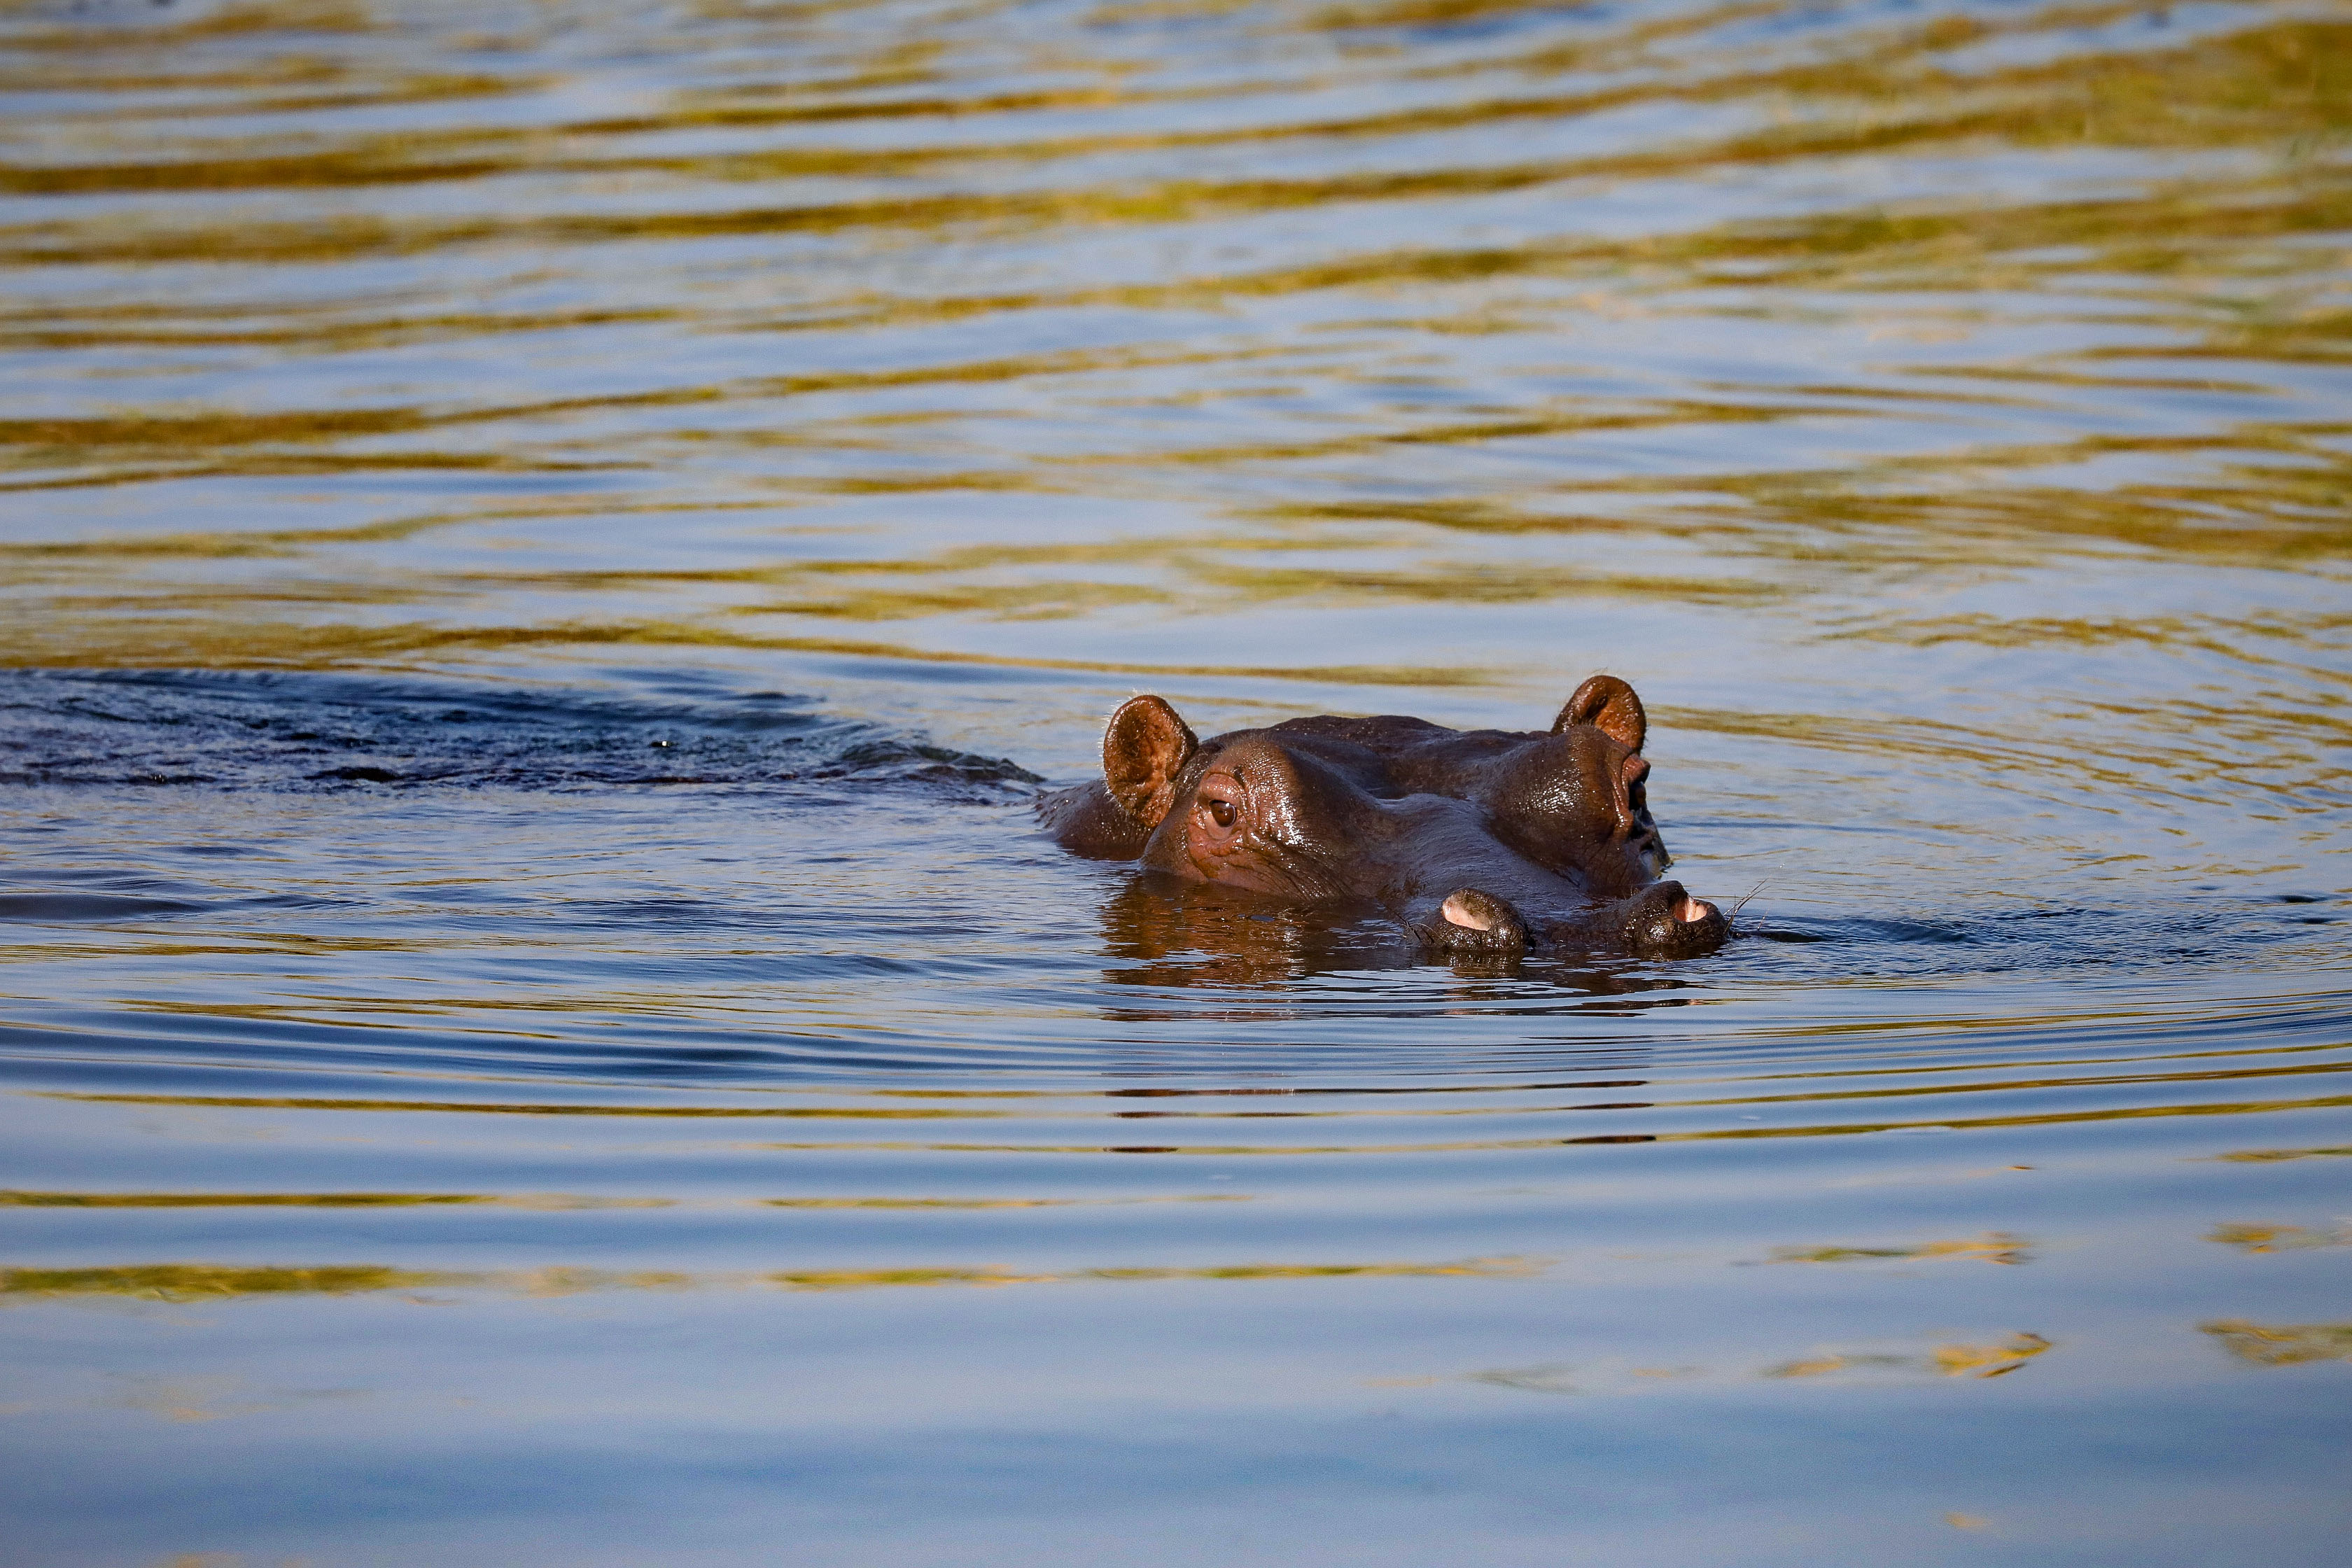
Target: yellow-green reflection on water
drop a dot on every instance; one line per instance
(2282, 1344)
(233, 1200)
(185, 1283)
(2264, 1156)
(2278, 1237)
(2215, 257)
(1946, 1360)
(1988, 1249)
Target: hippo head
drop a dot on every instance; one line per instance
(1480, 841)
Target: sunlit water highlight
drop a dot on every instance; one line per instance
(546, 555)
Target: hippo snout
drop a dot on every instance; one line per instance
(1662, 920)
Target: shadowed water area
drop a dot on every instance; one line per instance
(548, 550)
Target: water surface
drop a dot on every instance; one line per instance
(547, 555)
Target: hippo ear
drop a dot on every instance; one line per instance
(1146, 746)
(1609, 705)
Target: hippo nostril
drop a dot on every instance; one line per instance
(1457, 912)
(1471, 922)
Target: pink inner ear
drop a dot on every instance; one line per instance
(1145, 746)
(1610, 706)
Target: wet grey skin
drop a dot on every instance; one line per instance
(1483, 843)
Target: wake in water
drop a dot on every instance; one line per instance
(313, 731)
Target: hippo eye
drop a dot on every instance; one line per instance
(1221, 811)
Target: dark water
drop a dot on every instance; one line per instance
(548, 548)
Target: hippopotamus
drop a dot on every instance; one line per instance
(1480, 843)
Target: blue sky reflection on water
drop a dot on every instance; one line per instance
(546, 558)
